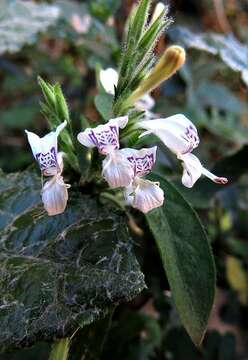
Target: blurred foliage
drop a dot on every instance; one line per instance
(68, 45)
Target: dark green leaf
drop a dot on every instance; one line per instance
(186, 257)
(61, 272)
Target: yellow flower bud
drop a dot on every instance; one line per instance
(172, 59)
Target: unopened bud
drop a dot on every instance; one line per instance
(159, 9)
(172, 60)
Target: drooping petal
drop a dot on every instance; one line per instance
(193, 169)
(55, 195)
(109, 79)
(145, 103)
(45, 149)
(147, 195)
(117, 170)
(142, 160)
(104, 137)
(177, 132)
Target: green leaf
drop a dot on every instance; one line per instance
(60, 349)
(27, 20)
(227, 47)
(58, 273)
(103, 103)
(209, 93)
(186, 257)
(140, 19)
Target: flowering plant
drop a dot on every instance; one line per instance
(111, 166)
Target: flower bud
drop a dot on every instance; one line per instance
(169, 63)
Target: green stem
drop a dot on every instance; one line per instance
(60, 349)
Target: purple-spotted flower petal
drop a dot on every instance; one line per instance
(177, 132)
(104, 137)
(142, 160)
(45, 150)
(117, 170)
(180, 135)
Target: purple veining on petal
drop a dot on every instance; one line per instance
(142, 165)
(48, 160)
(191, 137)
(105, 139)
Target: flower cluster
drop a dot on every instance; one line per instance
(122, 168)
(126, 167)
(45, 150)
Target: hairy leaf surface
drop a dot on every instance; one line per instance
(61, 272)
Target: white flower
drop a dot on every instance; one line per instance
(45, 150)
(104, 137)
(180, 135)
(55, 195)
(109, 80)
(117, 170)
(142, 194)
